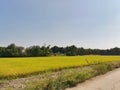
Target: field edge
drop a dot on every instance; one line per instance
(73, 77)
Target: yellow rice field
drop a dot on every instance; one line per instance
(22, 66)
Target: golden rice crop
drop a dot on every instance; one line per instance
(22, 66)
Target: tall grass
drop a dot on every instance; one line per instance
(72, 77)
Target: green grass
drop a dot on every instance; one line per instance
(20, 67)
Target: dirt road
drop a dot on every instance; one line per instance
(109, 81)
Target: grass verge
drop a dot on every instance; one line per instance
(71, 77)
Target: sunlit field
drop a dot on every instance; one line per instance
(15, 67)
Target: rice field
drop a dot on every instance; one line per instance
(15, 67)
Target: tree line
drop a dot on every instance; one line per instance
(34, 51)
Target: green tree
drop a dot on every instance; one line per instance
(71, 50)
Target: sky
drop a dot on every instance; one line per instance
(84, 23)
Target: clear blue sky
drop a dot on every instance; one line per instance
(87, 23)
